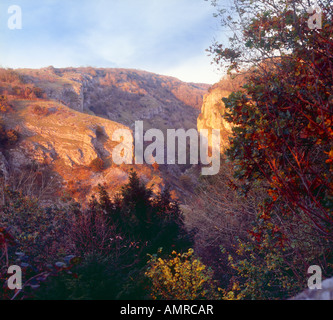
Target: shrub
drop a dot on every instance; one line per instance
(39, 92)
(155, 166)
(10, 76)
(7, 137)
(4, 104)
(97, 165)
(180, 277)
(95, 278)
(111, 237)
(30, 225)
(18, 91)
(99, 132)
(12, 136)
(40, 111)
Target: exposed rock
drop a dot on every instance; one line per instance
(72, 122)
(70, 136)
(123, 95)
(211, 114)
(325, 293)
(3, 167)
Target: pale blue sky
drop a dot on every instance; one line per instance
(163, 36)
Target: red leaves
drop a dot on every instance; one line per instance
(6, 238)
(232, 185)
(284, 133)
(257, 235)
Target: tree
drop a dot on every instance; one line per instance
(283, 131)
(136, 200)
(282, 135)
(38, 92)
(96, 252)
(145, 217)
(262, 29)
(127, 227)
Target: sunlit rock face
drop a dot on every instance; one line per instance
(211, 116)
(70, 123)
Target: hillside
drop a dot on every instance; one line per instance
(65, 119)
(122, 95)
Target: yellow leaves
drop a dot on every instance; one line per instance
(181, 277)
(234, 294)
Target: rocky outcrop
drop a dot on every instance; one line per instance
(325, 293)
(69, 135)
(127, 96)
(68, 143)
(3, 168)
(211, 114)
(122, 95)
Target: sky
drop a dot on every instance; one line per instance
(168, 37)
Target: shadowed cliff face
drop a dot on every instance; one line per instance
(123, 95)
(66, 117)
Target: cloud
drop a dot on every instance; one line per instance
(169, 36)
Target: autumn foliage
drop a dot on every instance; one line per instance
(180, 277)
(97, 252)
(275, 198)
(282, 141)
(283, 132)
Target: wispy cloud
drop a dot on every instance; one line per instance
(168, 37)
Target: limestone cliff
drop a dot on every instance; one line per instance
(211, 114)
(122, 95)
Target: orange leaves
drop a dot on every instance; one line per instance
(330, 157)
(155, 166)
(273, 194)
(231, 184)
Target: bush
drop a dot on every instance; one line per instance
(180, 277)
(7, 137)
(40, 111)
(4, 104)
(111, 237)
(99, 132)
(12, 136)
(10, 76)
(94, 278)
(97, 165)
(39, 92)
(31, 225)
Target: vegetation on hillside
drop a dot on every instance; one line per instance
(251, 231)
(282, 142)
(98, 252)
